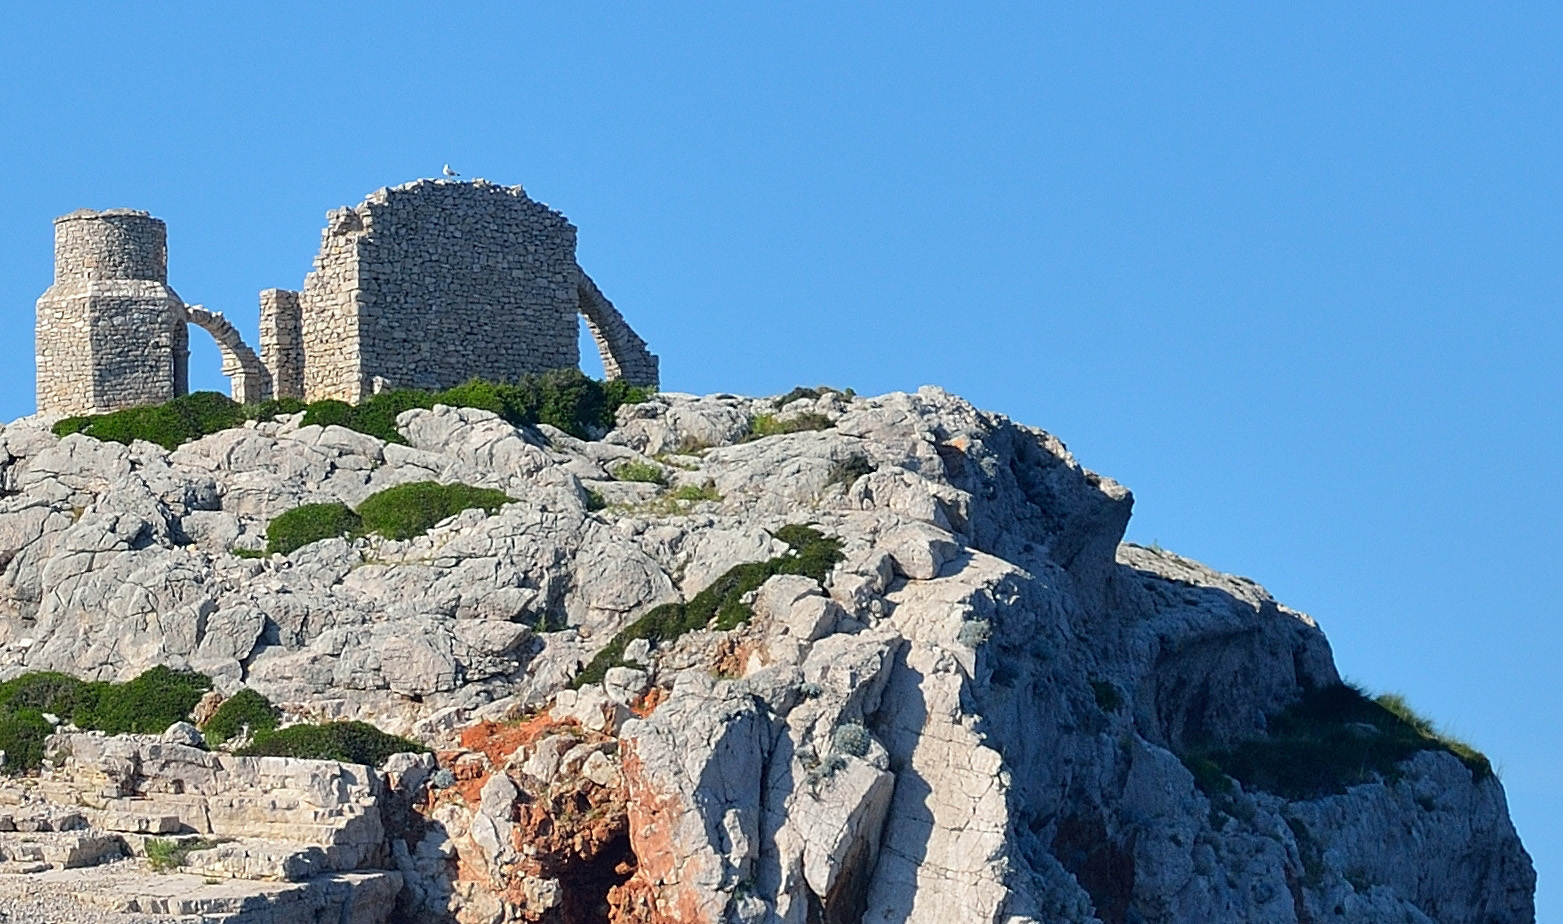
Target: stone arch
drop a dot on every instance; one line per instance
(624, 354)
(248, 378)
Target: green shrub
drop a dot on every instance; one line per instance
(764, 425)
(310, 523)
(22, 733)
(595, 501)
(349, 742)
(1108, 699)
(1330, 739)
(48, 691)
(146, 705)
(640, 471)
(409, 510)
(245, 708)
(690, 493)
(811, 553)
(168, 425)
(166, 854)
(563, 398)
(850, 469)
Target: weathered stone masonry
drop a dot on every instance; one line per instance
(111, 333)
(423, 285)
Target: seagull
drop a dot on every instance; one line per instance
(449, 172)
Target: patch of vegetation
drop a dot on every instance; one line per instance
(399, 512)
(851, 738)
(640, 471)
(595, 501)
(409, 510)
(349, 742)
(563, 398)
(172, 423)
(975, 633)
(166, 854)
(22, 733)
(690, 493)
(812, 394)
(1108, 699)
(248, 553)
(310, 523)
(244, 709)
(1330, 739)
(850, 469)
(146, 705)
(764, 425)
(811, 553)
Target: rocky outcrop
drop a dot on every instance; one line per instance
(991, 709)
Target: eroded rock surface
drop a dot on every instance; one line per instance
(983, 714)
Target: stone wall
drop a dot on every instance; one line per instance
(424, 285)
(281, 347)
(111, 333)
(435, 282)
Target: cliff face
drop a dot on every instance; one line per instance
(990, 709)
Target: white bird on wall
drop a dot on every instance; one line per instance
(450, 172)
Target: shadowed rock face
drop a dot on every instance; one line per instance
(983, 713)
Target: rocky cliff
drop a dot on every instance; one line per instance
(973, 702)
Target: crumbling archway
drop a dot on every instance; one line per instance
(624, 354)
(248, 379)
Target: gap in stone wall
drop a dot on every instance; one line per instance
(206, 363)
(591, 359)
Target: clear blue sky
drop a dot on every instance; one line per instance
(1293, 276)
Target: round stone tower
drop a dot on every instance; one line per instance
(113, 244)
(111, 333)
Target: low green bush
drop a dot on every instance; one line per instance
(349, 742)
(174, 422)
(244, 709)
(640, 471)
(147, 705)
(310, 523)
(1330, 739)
(22, 734)
(811, 553)
(400, 512)
(563, 398)
(764, 425)
(409, 510)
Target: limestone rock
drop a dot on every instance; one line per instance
(981, 714)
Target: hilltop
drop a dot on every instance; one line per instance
(813, 658)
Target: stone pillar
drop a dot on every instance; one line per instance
(281, 343)
(111, 333)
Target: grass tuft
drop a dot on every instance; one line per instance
(644, 472)
(764, 425)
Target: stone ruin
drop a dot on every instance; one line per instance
(424, 285)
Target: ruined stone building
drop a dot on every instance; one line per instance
(423, 285)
